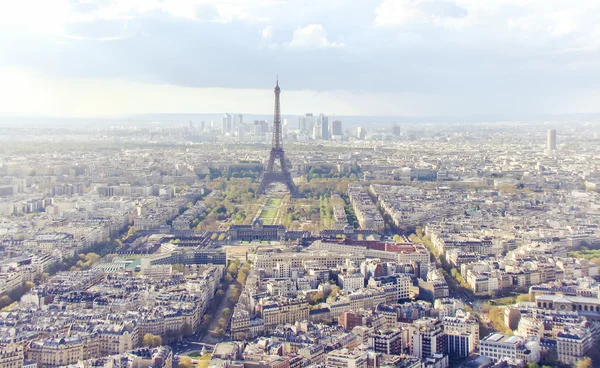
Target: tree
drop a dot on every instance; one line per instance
(584, 363)
(132, 230)
(178, 267)
(397, 238)
(29, 285)
(110, 257)
(186, 329)
(5, 301)
(226, 313)
(233, 267)
(241, 277)
(206, 320)
(234, 294)
(218, 332)
(185, 362)
(222, 237)
(316, 298)
(152, 340)
(549, 358)
(496, 316)
(361, 237)
(533, 365)
(214, 236)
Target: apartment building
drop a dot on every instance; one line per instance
(343, 358)
(573, 344)
(498, 346)
(461, 325)
(56, 352)
(427, 337)
(281, 310)
(11, 356)
(386, 341)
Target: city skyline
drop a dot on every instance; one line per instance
(388, 57)
(299, 184)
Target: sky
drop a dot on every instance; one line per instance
(88, 58)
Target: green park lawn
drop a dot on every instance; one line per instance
(268, 214)
(273, 202)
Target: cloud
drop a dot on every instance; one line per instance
(494, 55)
(311, 36)
(391, 13)
(267, 33)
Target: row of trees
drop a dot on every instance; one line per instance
(323, 187)
(459, 278)
(326, 212)
(15, 294)
(231, 288)
(234, 173)
(350, 215)
(322, 173)
(218, 236)
(100, 250)
(85, 261)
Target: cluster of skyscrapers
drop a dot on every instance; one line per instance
(318, 127)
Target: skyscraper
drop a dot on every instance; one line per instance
(224, 127)
(336, 128)
(361, 133)
(306, 123)
(551, 143)
(396, 130)
(324, 124)
(241, 133)
(316, 132)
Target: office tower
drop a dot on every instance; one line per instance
(270, 175)
(257, 129)
(361, 133)
(316, 132)
(286, 127)
(224, 129)
(264, 125)
(336, 128)
(396, 130)
(551, 143)
(324, 126)
(306, 123)
(227, 123)
(241, 133)
(202, 126)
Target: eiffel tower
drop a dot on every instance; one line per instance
(270, 174)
